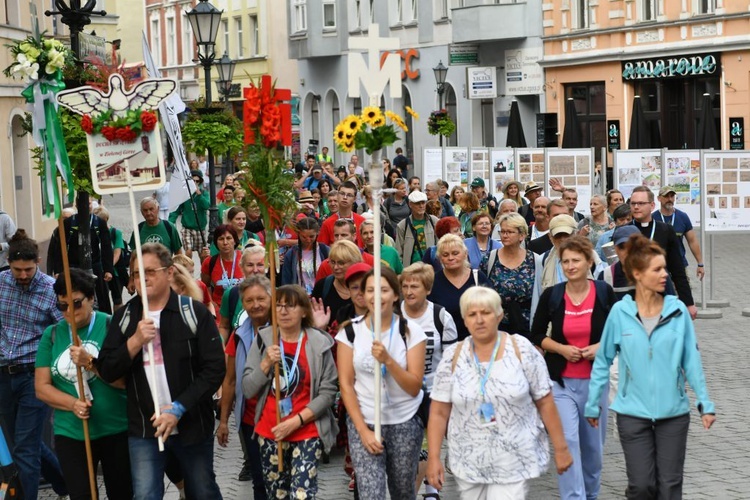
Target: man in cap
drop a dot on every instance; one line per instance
(194, 213)
(622, 216)
(487, 202)
(312, 179)
(561, 228)
(680, 222)
(532, 191)
(642, 205)
(416, 233)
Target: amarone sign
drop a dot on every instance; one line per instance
(674, 67)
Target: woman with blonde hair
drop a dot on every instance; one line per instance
(454, 278)
(188, 265)
(512, 191)
(231, 312)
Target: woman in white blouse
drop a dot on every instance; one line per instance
(495, 391)
(401, 353)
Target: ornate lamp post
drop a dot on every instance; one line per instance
(226, 73)
(440, 73)
(204, 20)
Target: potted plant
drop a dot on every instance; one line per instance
(440, 123)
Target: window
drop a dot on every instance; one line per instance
(12, 13)
(225, 27)
(240, 40)
(171, 42)
(442, 9)
(488, 123)
(706, 6)
(649, 10)
(156, 41)
(254, 36)
(299, 16)
(188, 50)
(590, 100)
(315, 116)
(329, 14)
(580, 14)
(451, 106)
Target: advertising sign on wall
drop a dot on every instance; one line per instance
(523, 75)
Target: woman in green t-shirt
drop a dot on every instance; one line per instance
(105, 406)
(237, 218)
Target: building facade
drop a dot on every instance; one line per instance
(670, 53)
(458, 33)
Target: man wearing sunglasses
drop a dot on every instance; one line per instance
(189, 368)
(28, 305)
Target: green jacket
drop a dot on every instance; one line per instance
(189, 218)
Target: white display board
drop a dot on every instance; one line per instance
(530, 166)
(432, 164)
(502, 169)
(456, 166)
(480, 166)
(638, 167)
(575, 169)
(726, 184)
(683, 174)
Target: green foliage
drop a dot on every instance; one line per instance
(221, 132)
(376, 139)
(273, 190)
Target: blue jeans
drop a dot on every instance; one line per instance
(23, 417)
(586, 444)
(196, 464)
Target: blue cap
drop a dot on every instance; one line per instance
(623, 233)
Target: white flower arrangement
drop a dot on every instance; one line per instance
(32, 54)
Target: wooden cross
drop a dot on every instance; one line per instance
(375, 76)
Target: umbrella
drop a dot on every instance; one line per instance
(572, 137)
(707, 136)
(516, 139)
(640, 136)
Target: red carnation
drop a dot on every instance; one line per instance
(126, 134)
(148, 121)
(86, 124)
(110, 133)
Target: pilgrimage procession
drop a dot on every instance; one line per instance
(355, 303)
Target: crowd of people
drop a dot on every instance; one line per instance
(508, 325)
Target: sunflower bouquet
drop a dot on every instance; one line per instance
(370, 130)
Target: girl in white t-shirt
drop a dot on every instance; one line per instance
(401, 352)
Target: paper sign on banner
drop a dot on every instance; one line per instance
(141, 157)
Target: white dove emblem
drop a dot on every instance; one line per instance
(92, 101)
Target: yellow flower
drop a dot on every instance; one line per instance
(273, 476)
(347, 147)
(281, 493)
(412, 112)
(373, 116)
(340, 133)
(295, 452)
(352, 123)
(397, 120)
(300, 494)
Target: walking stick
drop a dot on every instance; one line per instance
(144, 298)
(71, 318)
(273, 247)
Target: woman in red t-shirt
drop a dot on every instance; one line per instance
(223, 270)
(577, 311)
(255, 296)
(308, 384)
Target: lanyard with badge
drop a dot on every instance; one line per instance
(671, 221)
(226, 280)
(486, 410)
(86, 388)
(285, 405)
(383, 371)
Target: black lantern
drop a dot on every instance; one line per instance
(226, 73)
(440, 73)
(204, 20)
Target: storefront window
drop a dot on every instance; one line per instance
(591, 105)
(451, 107)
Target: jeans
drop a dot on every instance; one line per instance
(196, 463)
(23, 417)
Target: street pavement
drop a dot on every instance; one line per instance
(718, 460)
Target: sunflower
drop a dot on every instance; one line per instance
(352, 123)
(347, 146)
(373, 116)
(413, 113)
(340, 133)
(397, 120)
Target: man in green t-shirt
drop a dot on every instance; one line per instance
(194, 213)
(155, 230)
(416, 233)
(388, 255)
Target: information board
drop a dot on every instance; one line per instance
(480, 166)
(575, 169)
(503, 169)
(726, 184)
(456, 166)
(432, 164)
(683, 168)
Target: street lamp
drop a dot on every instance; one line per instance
(226, 73)
(204, 20)
(440, 73)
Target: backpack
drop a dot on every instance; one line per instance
(327, 284)
(186, 311)
(349, 329)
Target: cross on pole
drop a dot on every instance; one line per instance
(374, 76)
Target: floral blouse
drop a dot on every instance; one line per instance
(515, 284)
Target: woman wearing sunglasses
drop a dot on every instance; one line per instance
(56, 384)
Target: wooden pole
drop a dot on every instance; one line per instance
(71, 318)
(144, 298)
(271, 255)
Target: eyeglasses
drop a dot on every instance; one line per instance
(346, 195)
(63, 306)
(150, 273)
(486, 223)
(639, 203)
(285, 307)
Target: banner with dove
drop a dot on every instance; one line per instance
(124, 143)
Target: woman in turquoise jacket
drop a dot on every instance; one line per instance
(655, 340)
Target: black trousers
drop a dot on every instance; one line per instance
(102, 289)
(654, 456)
(111, 451)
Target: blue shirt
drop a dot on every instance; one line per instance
(681, 224)
(24, 315)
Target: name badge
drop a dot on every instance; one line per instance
(487, 414)
(285, 407)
